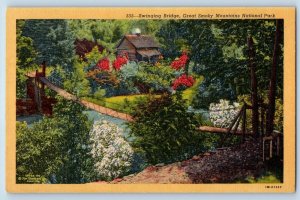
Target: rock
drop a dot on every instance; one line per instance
(160, 165)
(151, 168)
(195, 158)
(185, 163)
(118, 180)
(102, 182)
(130, 175)
(206, 154)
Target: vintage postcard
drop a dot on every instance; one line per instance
(150, 100)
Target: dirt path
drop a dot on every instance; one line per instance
(222, 166)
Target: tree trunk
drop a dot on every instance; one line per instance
(254, 96)
(272, 87)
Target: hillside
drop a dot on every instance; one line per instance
(234, 164)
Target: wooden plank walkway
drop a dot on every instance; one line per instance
(211, 129)
(90, 105)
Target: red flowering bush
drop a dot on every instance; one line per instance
(119, 62)
(183, 81)
(181, 62)
(103, 64)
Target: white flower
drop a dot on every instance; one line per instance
(112, 152)
(222, 114)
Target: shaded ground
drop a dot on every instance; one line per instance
(227, 165)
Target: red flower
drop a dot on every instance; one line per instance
(183, 80)
(103, 64)
(119, 62)
(181, 62)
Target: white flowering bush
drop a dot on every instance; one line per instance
(223, 113)
(112, 153)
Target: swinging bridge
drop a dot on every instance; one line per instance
(40, 81)
(237, 127)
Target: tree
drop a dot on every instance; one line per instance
(76, 82)
(77, 160)
(38, 151)
(218, 51)
(105, 32)
(56, 149)
(109, 32)
(274, 71)
(53, 41)
(26, 56)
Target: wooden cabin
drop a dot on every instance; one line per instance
(139, 48)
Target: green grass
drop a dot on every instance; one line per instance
(119, 103)
(268, 177)
(123, 103)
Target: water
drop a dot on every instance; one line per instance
(30, 119)
(203, 112)
(92, 115)
(95, 116)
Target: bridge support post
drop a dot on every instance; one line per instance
(37, 95)
(43, 75)
(254, 95)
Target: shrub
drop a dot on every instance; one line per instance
(100, 94)
(103, 64)
(211, 91)
(183, 82)
(129, 71)
(112, 153)
(180, 62)
(56, 149)
(164, 130)
(119, 62)
(222, 114)
(158, 78)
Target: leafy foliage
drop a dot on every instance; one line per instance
(158, 78)
(76, 81)
(56, 149)
(109, 32)
(26, 56)
(52, 40)
(278, 119)
(219, 52)
(164, 131)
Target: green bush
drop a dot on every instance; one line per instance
(158, 78)
(100, 94)
(164, 131)
(56, 149)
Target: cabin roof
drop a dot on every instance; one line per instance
(140, 41)
(85, 46)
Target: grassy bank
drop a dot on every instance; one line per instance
(125, 102)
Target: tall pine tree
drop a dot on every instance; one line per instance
(53, 41)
